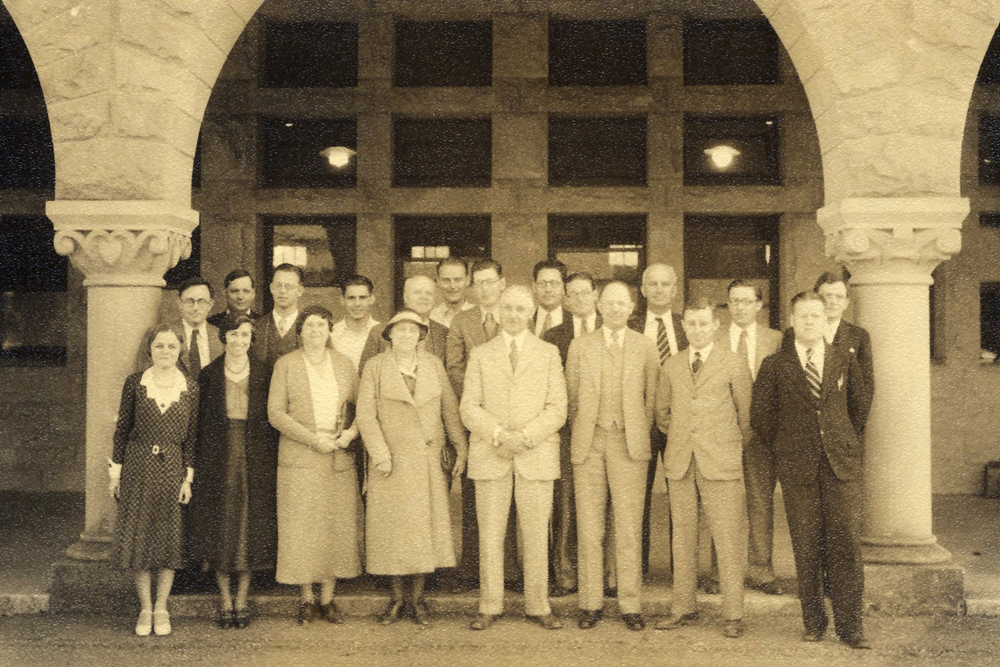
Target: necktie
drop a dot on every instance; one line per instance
(547, 324)
(696, 364)
(662, 343)
(812, 375)
(282, 326)
(490, 326)
(586, 325)
(513, 355)
(616, 343)
(194, 353)
(743, 351)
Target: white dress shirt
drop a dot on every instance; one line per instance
(652, 326)
(703, 354)
(349, 343)
(578, 321)
(614, 337)
(284, 324)
(819, 351)
(555, 320)
(734, 342)
(206, 358)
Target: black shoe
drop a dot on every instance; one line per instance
(589, 618)
(857, 642)
(733, 629)
(610, 591)
(308, 611)
(634, 622)
(709, 586)
(549, 622)
(421, 614)
(241, 619)
(481, 622)
(224, 619)
(392, 613)
(331, 613)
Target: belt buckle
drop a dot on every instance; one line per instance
(156, 450)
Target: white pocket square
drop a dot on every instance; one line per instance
(840, 383)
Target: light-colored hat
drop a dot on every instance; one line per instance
(405, 315)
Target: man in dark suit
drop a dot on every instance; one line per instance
(810, 405)
(240, 295)
(275, 335)
(201, 343)
(664, 327)
(418, 295)
(581, 299)
(548, 289)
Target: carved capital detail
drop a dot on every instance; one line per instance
(893, 240)
(122, 243)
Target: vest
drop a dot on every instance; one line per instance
(609, 411)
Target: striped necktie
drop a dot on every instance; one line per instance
(812, 376)
(662, 343)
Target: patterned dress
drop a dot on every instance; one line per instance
(154, 449)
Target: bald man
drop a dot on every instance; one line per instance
(418, 294)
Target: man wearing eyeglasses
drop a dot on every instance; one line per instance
(201, 339)
(550, 277)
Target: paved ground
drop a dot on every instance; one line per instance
(81, 641)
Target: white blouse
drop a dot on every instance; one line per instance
(325, 395)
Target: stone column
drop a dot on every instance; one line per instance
(123, 248)
(891, 246)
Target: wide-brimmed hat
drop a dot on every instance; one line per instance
(405, 316)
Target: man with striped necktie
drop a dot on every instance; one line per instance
(810, 404)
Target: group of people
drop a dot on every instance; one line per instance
(549, 405)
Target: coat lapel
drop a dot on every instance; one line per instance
(392, 385)
(428, 384)
(709, 366)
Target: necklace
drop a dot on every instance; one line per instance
(240, 369)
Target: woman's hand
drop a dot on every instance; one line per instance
(185, 495)
(384, 467)
(345, 439)
(325, 443)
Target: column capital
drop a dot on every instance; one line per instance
(123, 243)
(893, 239)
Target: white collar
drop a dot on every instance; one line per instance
(668, 316)
(168, 395)
(610, 335)
(802, 349)
(519, 338)
(735, 330)
(703, 352)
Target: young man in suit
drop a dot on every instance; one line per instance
(581, 301)
(703, 405)
(752, 343)
(514, 404)
(452, 281)
(201, 339)
(548, 288)
(240, 295)
(662, 326)
(611, 379)
(275, 336)
(810, 406)
(471, 328)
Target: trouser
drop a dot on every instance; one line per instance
(657, 443)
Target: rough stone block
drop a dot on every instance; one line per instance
(79, 119)
(915, 590)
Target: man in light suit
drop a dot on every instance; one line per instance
(611, 379)
(514, 404)
(661, 325)
(201, 342)
(752, 343)
(274, 334)
(703, 405)
(810, 406)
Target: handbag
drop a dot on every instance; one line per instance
(448, 457)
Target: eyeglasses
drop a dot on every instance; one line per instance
(549, 283)
(489, 282)
(201, 303)
(743, 302)
(581, 294)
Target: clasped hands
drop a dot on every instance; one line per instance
(511, 443)
(326, 443)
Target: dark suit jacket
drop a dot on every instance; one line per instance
(268, 345)
(215, 348)
(562, 335)
(638, 323)
(799, 429)
(434, 343)
(466, 332)
(216, 320)
(853, 341)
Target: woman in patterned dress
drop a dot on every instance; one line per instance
(405, 405)
(317, 486)
(232, 521)
(151, 473)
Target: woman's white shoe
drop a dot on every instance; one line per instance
(144, 625)
(161, 622)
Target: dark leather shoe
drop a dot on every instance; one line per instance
(709, 586)
(224, 619)
(549, 622)
(610, 592)
(481, 622)
(331, 613)
(589, 618)
(733, 628)
(634, 622)
(308, 611)
(673, 622)
(858, 641)
(241, 619)
(813, 636)
(421, 614)
(392, 613)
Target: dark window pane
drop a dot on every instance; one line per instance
(17, 71)
(444, 53)
(26, 156)
(989, 150)
(442, 152)
(28, 260)
(989, 317)
(597, 151)
(33, 328)
(187, 268)
(310, 55)
(293, 152)
(597, 53)
(989, 71)
(732, 151)
(424, 240)
(607, 246)
(739, 52)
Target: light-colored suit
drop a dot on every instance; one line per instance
(530, 399)
(706, 417)
(611, 458)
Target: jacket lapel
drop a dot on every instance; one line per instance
(392, 385)
(428, 386)
(709, 366)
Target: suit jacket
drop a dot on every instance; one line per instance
(641, 367)
(434, 342)
(290, 410)
(638, 323)
(533, 322)
(800, 429)
(562, 335)
(216, 319)
(466, 332)
(706, 416)
(266, 333)
(853, 341)
(215, 348)
(531, 399)
(769, 341)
